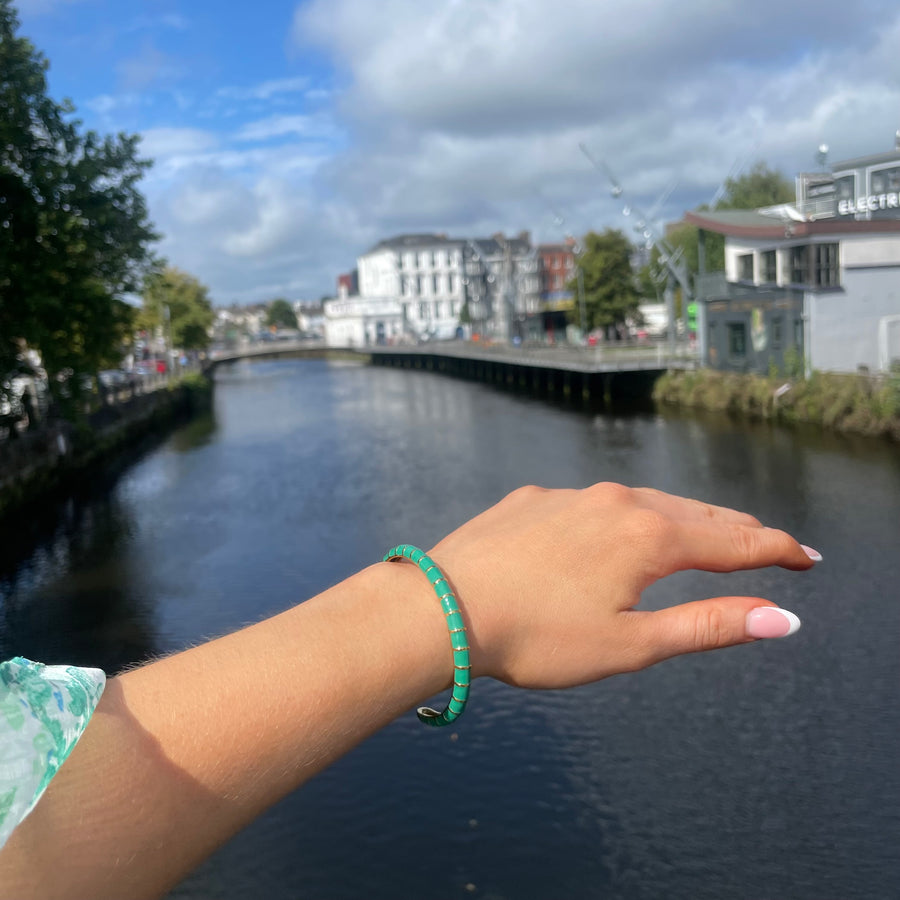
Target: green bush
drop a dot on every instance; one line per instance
(855, 403)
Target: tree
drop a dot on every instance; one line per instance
(759, 187)
(74, 234)
(179, 304)
(610, 294)
(281, 314)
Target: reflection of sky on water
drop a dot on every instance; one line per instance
(727, 775)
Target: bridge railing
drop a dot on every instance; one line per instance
(654, 355)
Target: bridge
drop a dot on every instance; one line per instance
(595, 375)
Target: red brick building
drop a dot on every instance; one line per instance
(556, 265)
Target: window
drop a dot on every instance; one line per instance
(454, 308)
(826, 273)
(451, 284)
(776, 334)
(798, 332)
(423, 310)
(745, 267)
(404, 310)
(769, 273)
(799, 263)
(419, 285)
(737, 339)
(437, 309)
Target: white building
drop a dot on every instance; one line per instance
(362, 321)
(819, 278)
(423, 272)
(439, 285)
(310, 319)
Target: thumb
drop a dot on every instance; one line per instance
(710, 624)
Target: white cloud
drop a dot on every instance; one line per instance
(465, 113)
(279, 126)
(467, 117)
(266, 89)
(165, 143)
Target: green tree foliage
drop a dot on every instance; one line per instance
(74, 233)
(179, 304)
(610, 292)
(759, 187)
(281, 314)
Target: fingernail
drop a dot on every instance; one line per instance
(771, 622)
(814, 555)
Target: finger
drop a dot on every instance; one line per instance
(705, 625)
(731, 547)
(687, 510)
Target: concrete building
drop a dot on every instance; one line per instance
(422, 273)
(362, 321)
(502, 287)
(421, 287)
(817, 280)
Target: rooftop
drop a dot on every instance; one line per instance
(750, 223)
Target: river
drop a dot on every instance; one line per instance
(764, 771)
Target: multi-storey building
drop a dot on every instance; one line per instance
(818, 279)
(421, 273)
(502, 286)
(556, 267)
(556, 263)
(428, 286)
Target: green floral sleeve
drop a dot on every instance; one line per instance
(43, 712)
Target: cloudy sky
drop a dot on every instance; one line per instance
(290, 137)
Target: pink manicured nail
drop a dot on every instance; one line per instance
(814, 555)
(771, 622)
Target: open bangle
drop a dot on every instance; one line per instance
(457, 628)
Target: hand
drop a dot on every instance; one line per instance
(548, 581)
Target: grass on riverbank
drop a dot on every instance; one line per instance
(860, 404)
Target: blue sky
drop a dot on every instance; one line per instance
(290, 137)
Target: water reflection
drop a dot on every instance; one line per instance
(727, 775)
(78, 599)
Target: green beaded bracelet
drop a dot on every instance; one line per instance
(457, 628)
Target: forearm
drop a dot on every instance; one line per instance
(183, 753)
(267, 707)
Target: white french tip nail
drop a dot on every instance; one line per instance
(793, 622)
(771, 622)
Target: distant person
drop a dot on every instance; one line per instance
(182, 753)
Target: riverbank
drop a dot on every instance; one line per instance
(856, 404)
(38, 464)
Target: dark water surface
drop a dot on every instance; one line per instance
(765, 771)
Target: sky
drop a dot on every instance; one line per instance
(289, 138)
